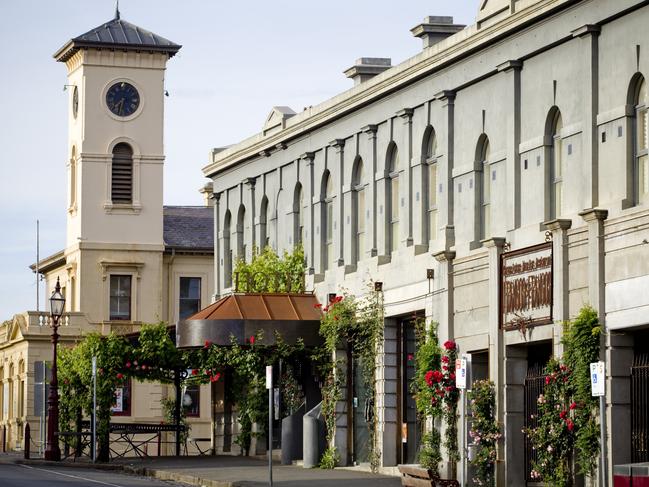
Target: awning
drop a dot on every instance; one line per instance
(244, 315)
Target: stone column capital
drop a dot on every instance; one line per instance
(308, 157)
(558, 224)
(494, 242)
(280, 146)
(594, 214)
(511, 65)
(337, 144)
(406, 115)
(445, 95)
(264, 153)
(587, 29)
(444, 255)
(250, 182)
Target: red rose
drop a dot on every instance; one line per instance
(570, 425)
(452, 376)
(563, 414)
(429, 378)
(120, 375)
(252, 339)
(547, 380)
(208, 344)
(128, 365)
(573, 406)
(194, 372)
(410, 357)
(449, 345)
(317, 306)
(445, 359)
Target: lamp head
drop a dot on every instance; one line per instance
(57, 301)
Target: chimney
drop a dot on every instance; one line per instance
(366, 68)
(435, 29)
(207, 192)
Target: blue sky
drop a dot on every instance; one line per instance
(238, 60)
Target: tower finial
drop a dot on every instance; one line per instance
(117, 9)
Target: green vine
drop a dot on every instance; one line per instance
(356, 324)
(567, 423)
(435, 394)
(484, 432)
(270, 273)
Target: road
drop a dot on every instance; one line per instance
(28, 476)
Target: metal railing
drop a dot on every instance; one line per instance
(640, 408)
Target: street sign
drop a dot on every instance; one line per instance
(597, 379)
(460, 373)
(269, 377)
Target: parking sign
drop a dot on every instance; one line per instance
(597, 379)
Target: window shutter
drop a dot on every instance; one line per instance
(122, 174)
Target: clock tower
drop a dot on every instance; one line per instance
(115, 166)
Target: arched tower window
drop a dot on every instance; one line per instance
(264, 239)
(640, 141)
(73, 177)
(327, 220)
(122, 174)
(429, 185)
(555, 163)
(227, 250)
(358, 210)
(483, 186)
(298, 214)
(392, 198)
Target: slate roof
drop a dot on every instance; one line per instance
(188, 228)
(117, 34)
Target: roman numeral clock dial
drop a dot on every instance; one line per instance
(122, 99)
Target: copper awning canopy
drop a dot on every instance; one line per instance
(243, 315)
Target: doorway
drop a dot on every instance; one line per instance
(409, 427)
(640, 399)
(362, 409)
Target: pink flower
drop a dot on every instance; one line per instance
(410, 357)
(128, 365)
(547, 380)
(252, 339)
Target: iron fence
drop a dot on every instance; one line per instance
(640, 408)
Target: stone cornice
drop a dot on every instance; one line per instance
(558, 224)
(593, 214)
(461, 45)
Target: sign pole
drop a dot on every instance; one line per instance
(94, 409)
(269, 386)
(461, 373)
(598, 389)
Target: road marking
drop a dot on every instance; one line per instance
(72, 476)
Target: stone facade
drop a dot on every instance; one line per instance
(526, 127)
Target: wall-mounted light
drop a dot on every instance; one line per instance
(378, 286)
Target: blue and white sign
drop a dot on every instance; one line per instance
(597, 379)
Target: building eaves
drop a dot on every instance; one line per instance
(448, 51)
(49, 263)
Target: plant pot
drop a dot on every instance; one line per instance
(292, 438)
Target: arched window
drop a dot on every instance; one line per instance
(429, 185)
(392, 198)
(298, 214)
(327, 220)
(555, 163)
(122, 174)
(483, 186)
(358, 210)
(641, 126)
(243, 231)
(264, 239)
(73, 177)
(227, 250)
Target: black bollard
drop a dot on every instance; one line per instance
(28, 438)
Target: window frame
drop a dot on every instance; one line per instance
(180, 298)
(195, 388)
(641, 110)
(392, 197)
(112, 317)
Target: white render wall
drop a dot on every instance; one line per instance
(580, 58)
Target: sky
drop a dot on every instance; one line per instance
(239, 59)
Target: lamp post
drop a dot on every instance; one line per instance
(52, 451)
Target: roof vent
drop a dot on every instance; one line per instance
(435, 29)
(366, 68)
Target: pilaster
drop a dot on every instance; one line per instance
(512, 70)
(594, 219)
(217, 247)
(494, 248)
(589, 36)
(371, 198)
(339, 227)
(558, 232)
(405, 187)
(308, 188)
(446, 146)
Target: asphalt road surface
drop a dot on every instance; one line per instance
(28, 476)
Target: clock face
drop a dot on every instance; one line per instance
(122, 99)
(75, 102)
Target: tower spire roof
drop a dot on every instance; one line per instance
(117, 33)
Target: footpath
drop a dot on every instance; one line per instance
(226, 471)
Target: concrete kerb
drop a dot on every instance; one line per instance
(177, 477)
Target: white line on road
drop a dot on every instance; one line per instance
(72, 476)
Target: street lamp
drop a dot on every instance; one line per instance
(52, 451)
